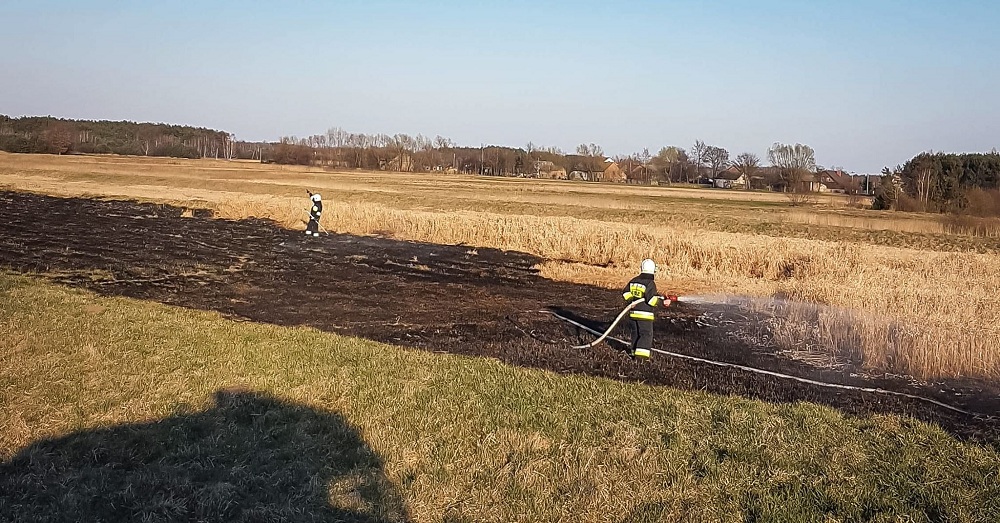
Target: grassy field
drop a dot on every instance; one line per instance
(905, 296)
(231, 420)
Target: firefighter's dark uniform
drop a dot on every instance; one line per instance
(642, 288)
(314, 214)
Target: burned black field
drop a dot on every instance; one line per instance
(442, 298)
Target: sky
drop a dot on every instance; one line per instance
(867, 84)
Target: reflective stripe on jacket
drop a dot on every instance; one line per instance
(316, 210)
(642, 287)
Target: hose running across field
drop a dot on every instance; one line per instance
(606, 334)
(611, 328)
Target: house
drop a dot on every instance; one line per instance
(549, 170)
(762, 179)
(541, 167)
(558, 174)
(810, 182)
(594, 168)
(730, 179)
(837, 181)
(765, 178)
(612, 173)
(806, 182)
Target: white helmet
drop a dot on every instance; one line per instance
(648, 267)
(316, 197)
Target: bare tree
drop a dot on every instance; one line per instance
(589, 150)
(747, 164)
(228, 140)
(698, 155)
(645, 157)
(552, 149)
(381, 146)
(922, 181)
(798, 156)
(401, 145)
(337, 138)
(682, 168)
(717, 159)
(58, 138)
(147, 137)
(796, 165)
(665, 161)
(594, 155)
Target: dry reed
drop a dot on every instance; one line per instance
(948, 302)
(928, 314)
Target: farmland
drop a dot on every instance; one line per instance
(887, 269)
(174, 280)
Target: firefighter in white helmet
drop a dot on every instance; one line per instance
(314, 214)
(642, 287)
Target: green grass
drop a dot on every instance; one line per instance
(113, 406)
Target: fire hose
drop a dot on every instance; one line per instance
(317, 222)
(611, 328)
(606, 334)
(668, 299)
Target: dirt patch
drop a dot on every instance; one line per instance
(428, 296)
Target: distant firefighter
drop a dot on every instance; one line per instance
(314, 214)
(643, 288)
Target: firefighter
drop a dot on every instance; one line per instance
(643, 288)
(314, 214)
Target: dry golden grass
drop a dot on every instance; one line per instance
(916, 311)
(927, 314)
(208, 181)
(900, 222)
(972, 225)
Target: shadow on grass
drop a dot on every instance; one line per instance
(251, 457)
(983, 428)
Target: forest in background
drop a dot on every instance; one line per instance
(929, 182)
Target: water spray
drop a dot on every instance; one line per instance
(713, 299)
(696, 299)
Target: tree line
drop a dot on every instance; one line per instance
(943, 182)
(934, 182)
(45, 134)
(401, 152)
(338, 148)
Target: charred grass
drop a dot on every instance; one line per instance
(177, 414)
(926, 314)
(894, 269)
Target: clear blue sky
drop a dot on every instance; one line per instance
(865, 83)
